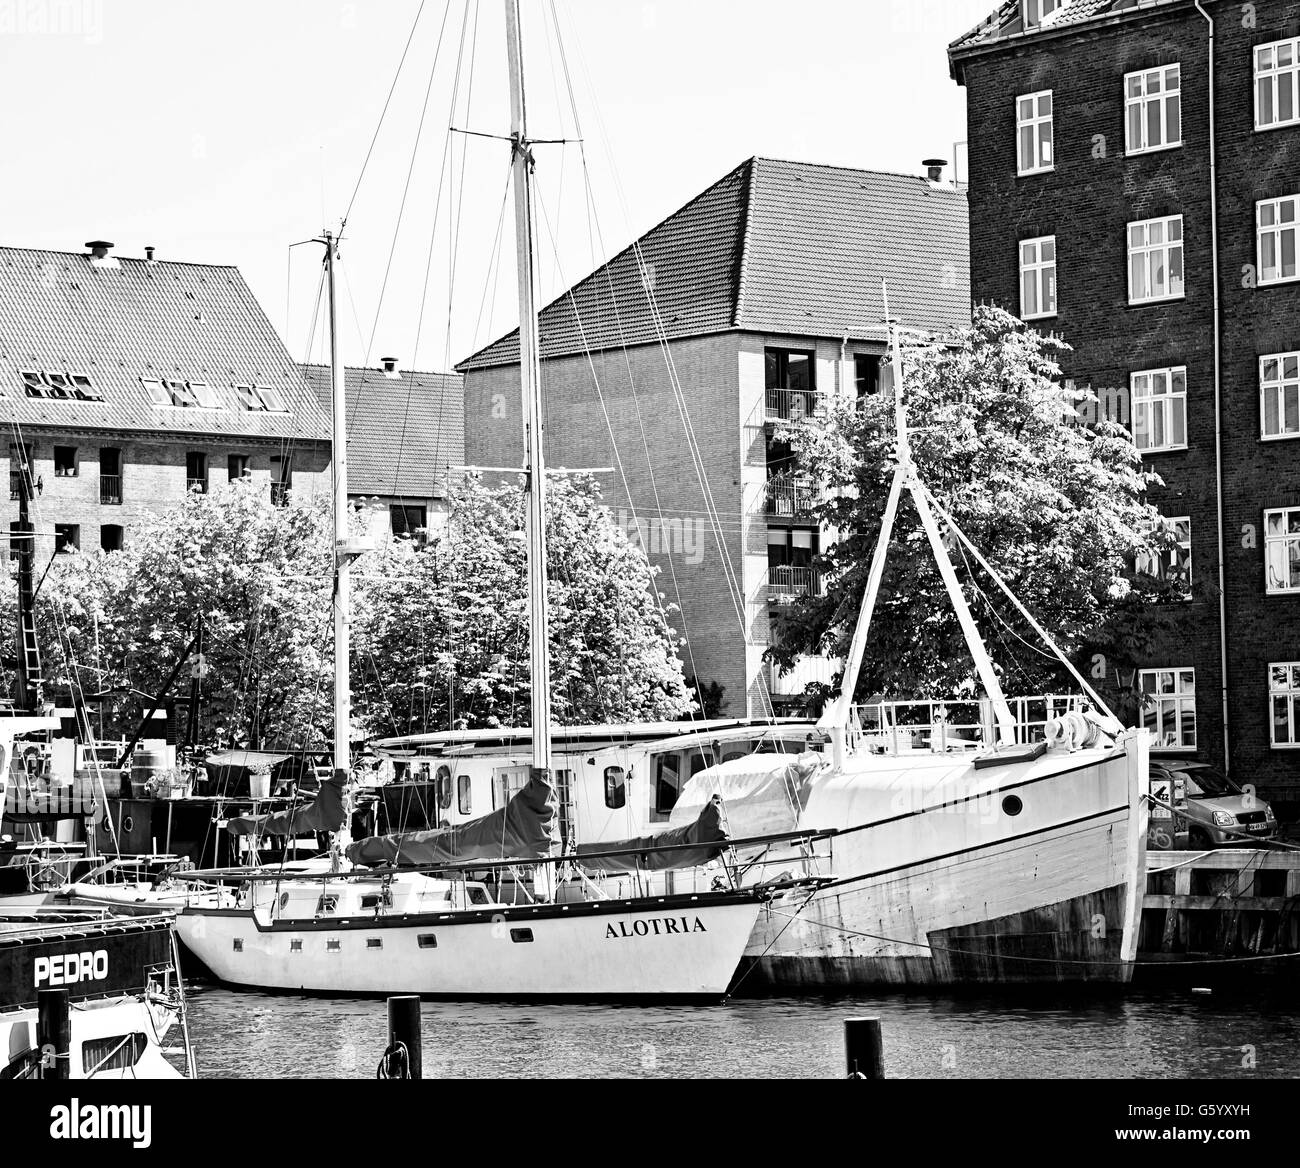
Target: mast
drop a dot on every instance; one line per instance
(530, 386)
(27, 687)
(342, 556)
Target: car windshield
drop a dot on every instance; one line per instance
(1205, 783)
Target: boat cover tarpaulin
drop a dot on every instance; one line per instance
(633, 854)
(324, 813)
(525, 829)
(762, 794)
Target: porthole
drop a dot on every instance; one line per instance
(428, 940)
(128, 823)
(521, 935)
(1012, 805)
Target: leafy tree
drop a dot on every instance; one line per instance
(1057, 507)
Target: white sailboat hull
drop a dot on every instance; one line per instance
(677, 946)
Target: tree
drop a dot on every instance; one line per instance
(1055, 506)
(442, 632)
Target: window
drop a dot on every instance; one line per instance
(181, 394)
(408, 521)
(260, 397)
(118, 1052)
(1282, 550)
(110, 475)
(237, 944)
(442, 785)
(1277, 68)
(59, 386)
(1038, 277)
(428, 940)
(790, 555)
(196, 471)
(668, 778)
(509, 781)
(67, 537)
(1275, 234)
(20, 456)
(615, 788)
(1170, 709)
(866, 374)
(65, 462)
(1173, 563)
(463, 794)
(374, 942)
(327, 903)
(1155, 259)
(1284, 703)
(110, 537)
(1034, 132)
(790, 383)
(1153, 110)
(521, 936)
(1033, 11)
(1279, 395)
(1160, 409)
(236, 467)
(281, 479)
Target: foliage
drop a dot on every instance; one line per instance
(1056, 506)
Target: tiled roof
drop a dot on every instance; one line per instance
(1006, 21)
(778, 247)
(118, 322)
(403, 431)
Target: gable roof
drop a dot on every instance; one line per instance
(403, 431)
(1007, 20)
(126, 319)
(773, 247)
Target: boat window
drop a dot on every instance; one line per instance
(615, 788)
(428, 940)
(700, 759)
(295, 945)
(521, 935)
(444, 787)
(375, 899)
(333, 945)
(668, 778)
(479, 896)
(732, 755)
(115, 1053)
(374, 942)
(238, 945)
(462, 794)
(328, 903)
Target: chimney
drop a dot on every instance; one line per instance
(934, 168)
(389, 366)
(148, 254)
(99, 254)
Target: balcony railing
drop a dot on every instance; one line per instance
(197, 484)
(110, 489)
(789, 497)
(786, 581)
(791, 404)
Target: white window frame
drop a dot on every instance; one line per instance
(1284, 379)
(1038, 164)
(1283, 540)
(1039, 267)
(271, 399)
(1275, 77)
(1284, 216)
(1033, 11)
(1171, 404)
(1167, 564)
(1147, 101)
(1287, 688)
(1148, 251)
(1179, 698)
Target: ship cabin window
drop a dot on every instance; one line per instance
(463, 795)
(428, 940)
(328, 903)
(615, 788)
(117, 1052)
(667, 784)
(521, 935)
(478, 895)
(376, 900)
(443, 782)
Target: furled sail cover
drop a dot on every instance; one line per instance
(707, 831)
(525, 829)
(324, 813)
(762, 794)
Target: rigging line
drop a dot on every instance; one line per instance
(494, 262)
(453, 252)
(383, 113)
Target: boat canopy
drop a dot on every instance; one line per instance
(639, 855)
(761, 794)
(324, 813)
(525, 828)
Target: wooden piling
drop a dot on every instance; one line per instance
(54, 1032)
(404, 1027)
(863, 1048)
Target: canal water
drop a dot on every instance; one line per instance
(1250, 1032)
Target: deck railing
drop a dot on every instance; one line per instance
(958, 724)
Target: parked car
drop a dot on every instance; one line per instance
(1214, 812)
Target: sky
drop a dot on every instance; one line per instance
(226, 132)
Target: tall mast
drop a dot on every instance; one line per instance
(530, 386)
(342, 554)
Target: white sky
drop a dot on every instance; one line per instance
(223, 132)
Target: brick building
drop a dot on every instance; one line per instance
(1134, 186)
(131, 380)
(674, 362)
(406, 433)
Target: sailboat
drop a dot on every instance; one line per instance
(992, 853)
(427, 912)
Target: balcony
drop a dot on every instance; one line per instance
(789, 405)
(806, 670)
(110, 490)
(789, 497)
(786, 582)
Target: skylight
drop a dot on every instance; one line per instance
(260, 397)
(57, 385)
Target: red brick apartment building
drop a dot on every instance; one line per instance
(675, 362)
(131, 380)
(1134, 187)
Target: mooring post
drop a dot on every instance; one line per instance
(404, 1027)
(54, 1033)
(863, 1048)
